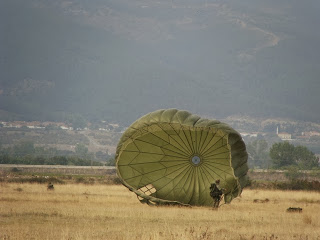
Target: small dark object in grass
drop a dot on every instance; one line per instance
(261, 200)
(19, 189)
(294, 209)
(50, 186)
(15, 169)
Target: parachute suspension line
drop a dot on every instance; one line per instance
(189, 170)
(211, 148)
(213, 136)
(214, 178)
(185, 147)
(171, 180)
(185, 150)
(156, 170)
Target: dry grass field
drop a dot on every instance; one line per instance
(78, 211)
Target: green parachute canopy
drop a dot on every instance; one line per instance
(172, 157)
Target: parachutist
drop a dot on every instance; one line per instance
(216, 192)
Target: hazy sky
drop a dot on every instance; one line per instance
(120, 59)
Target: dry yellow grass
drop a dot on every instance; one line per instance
(75, 211)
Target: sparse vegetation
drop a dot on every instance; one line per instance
(56, 160)
(81, 211)
(40, 146)
(25, 152)
(56, 178)
(298, 184)
(35, 179)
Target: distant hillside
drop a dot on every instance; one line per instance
(119, 59)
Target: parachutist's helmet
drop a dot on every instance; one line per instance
(218, 181)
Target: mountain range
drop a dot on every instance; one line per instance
(116, 60)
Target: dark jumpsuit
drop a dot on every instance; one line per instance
(215, 193)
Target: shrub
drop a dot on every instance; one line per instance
(14, 170)
(80, 180)
(40, 180)
(293, 173)
(298, 185)
(116, 180)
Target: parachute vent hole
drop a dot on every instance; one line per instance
(148, 189)
(196, 160)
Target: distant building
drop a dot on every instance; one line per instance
(114, 125)
(284, 135)
(64, 127)
(244, 134)
(310, 134)
(34, 125)
(304, 138)
(104, 129)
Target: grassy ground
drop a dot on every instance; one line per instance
(78, 211)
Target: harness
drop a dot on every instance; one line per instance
(215, 192)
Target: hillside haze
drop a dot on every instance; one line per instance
(119, 59)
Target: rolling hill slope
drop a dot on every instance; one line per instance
(119, 59)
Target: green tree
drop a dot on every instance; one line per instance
(52, 127)
(285, 154)
(77, 121)
(24, 148)
(304, 158)
(258, 153)
(81, 150)
(111, 161)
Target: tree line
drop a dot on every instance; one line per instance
(281, 155)
(26, 153)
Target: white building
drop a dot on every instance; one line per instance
(284, 135)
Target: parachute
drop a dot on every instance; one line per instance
(172, 157)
